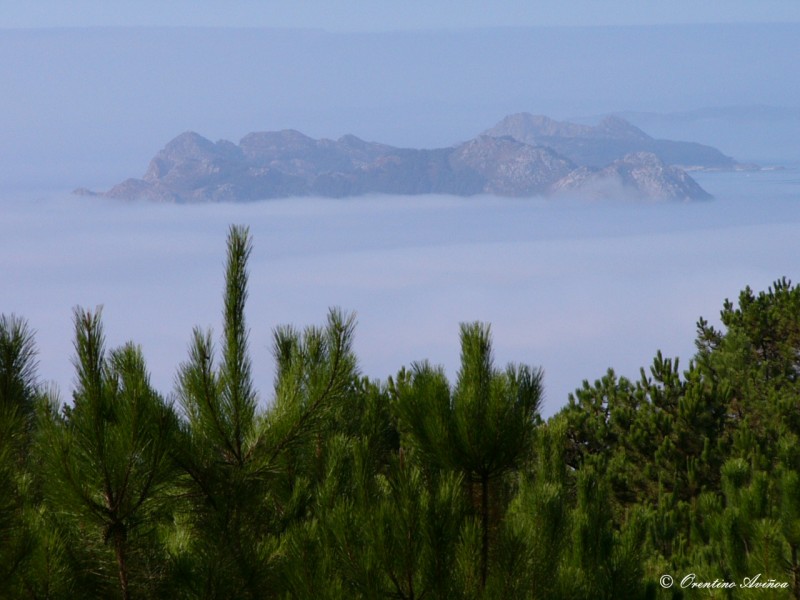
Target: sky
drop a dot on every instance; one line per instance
(361, 15)
(91, 107)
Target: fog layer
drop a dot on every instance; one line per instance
(573, 287)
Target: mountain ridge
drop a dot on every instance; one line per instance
(523, 155)
(611, 139)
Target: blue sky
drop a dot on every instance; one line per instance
(381, 15)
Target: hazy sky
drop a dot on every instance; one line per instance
(379, 15)
(91, 107)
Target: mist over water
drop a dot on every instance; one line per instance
(575, 287)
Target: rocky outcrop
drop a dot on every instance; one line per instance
(638, 176)
(509, 167)
(610, 140)
(280, 164)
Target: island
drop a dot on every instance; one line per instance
(522, 156)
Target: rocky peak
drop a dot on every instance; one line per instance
(270, 145)
(511, 167)
(534, 129)
(617, 127)
(279, 164)
(190, 147)
(352, 141)
(599, 145)
(639, 176)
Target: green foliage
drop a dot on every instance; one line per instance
(107, 461)
(18, 393)
(481, 429)
(249, 476)
(338, 486)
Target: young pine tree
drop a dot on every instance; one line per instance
(248, 475)
(481, 429)
(18, 392)
(107, 463)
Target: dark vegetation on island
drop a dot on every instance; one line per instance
(523, 155)
(414, 487)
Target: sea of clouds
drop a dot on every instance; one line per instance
(575, 287)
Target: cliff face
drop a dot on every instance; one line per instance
(287, 163)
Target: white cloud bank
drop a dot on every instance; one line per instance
(575, 288)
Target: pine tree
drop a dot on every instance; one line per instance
(248, 475)
(536, 534)
(217, 449)
(107, 463)
(482, 429)
(18, 393)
